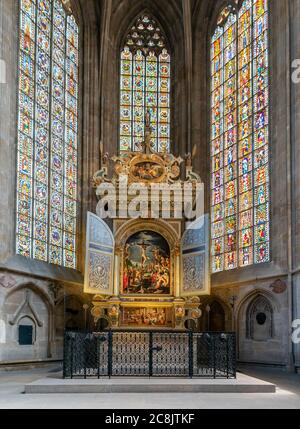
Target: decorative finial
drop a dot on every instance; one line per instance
(148, 120)
(148, 132)
(67, 6)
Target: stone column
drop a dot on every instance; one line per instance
(295, 166)
(117, 280)
(177, 276)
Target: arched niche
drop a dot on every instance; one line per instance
(216, 320)
(26, 331)
(74, 318)
(216, 315)
(244, 306)
(259, 319)
(28, 305)
(261, 342)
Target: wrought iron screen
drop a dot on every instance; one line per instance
(150, 354)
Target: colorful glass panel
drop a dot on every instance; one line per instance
(47, 133)
(239, 137)
(145, 87)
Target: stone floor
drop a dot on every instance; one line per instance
(12, 387)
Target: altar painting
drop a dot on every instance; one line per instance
(147, 171)
(146, 268)
(143, 317)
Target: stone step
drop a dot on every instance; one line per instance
(242, 384)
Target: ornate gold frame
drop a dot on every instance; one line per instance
(129, 228)
(173, 171)
(165, 305)
(145, 158)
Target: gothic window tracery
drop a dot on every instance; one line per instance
(145, 86)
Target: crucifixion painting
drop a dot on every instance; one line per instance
(146, 268)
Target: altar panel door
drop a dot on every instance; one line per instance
(195, 276)
(99, 259)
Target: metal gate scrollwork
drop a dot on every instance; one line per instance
(149, 354)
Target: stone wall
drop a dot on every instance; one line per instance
(47, 306)
(296, 317)
(270, 349)
(23, 299)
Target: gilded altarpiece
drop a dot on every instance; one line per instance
(147, 272)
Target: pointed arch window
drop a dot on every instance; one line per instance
(240, 137)
(47, 133)
(145, 86)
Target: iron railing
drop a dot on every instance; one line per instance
(149, 354)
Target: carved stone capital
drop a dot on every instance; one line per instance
(7, 281)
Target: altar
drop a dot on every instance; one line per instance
(147, 245)
(147, 266)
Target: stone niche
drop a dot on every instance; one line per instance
(26, 326)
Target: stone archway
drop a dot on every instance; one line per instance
(259, 319)
(74, 313)
(258, 334)
(28, 302)
(216, 319)
(216, 316)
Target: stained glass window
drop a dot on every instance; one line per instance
(240, 137)
(47, 133)
(145, 86)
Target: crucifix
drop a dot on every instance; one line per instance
(143, 246)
